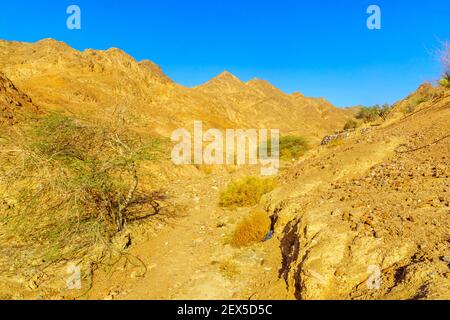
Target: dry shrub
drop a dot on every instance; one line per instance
(252, 229)
(74, 184)
(246, 192)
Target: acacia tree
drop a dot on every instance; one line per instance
(90, 169)
(444, 54)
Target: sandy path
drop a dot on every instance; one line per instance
(184, 259)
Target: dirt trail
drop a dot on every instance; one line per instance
(189, 258)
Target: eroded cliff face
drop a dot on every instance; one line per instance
(369, 218)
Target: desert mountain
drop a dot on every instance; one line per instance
(93, 82)
(260, 101)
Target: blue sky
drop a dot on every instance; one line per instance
(318, 47)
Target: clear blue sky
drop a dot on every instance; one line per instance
(318, 47)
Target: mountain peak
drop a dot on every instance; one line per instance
(297, 94)
(54, 45)
(227, 76)
(51, 42)
(224, 82)
(258, 82)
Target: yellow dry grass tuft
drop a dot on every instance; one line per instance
(252, 229)
(246, 192)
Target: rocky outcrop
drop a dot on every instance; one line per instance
(12, 101)
(334, 137)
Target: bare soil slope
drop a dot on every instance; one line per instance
(381, 199)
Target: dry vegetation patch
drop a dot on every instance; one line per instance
(69, 185)
(252, 229)
(246, 192)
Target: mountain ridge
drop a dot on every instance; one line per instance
(88, 82)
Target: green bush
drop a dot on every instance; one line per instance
(384, 110)
(293, 147)
(290, 147)
(246, 192)
(411, 106)
(370, 114)
(445, 81)
(350, 124)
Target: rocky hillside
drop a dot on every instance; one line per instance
(92, 83)
(377, 203)
(13, 102)
(258, 100)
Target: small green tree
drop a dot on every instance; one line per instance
(290, 147)
(384, 111)
(350, 124)
(370, 114)
(445, 81)
(445, 61)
